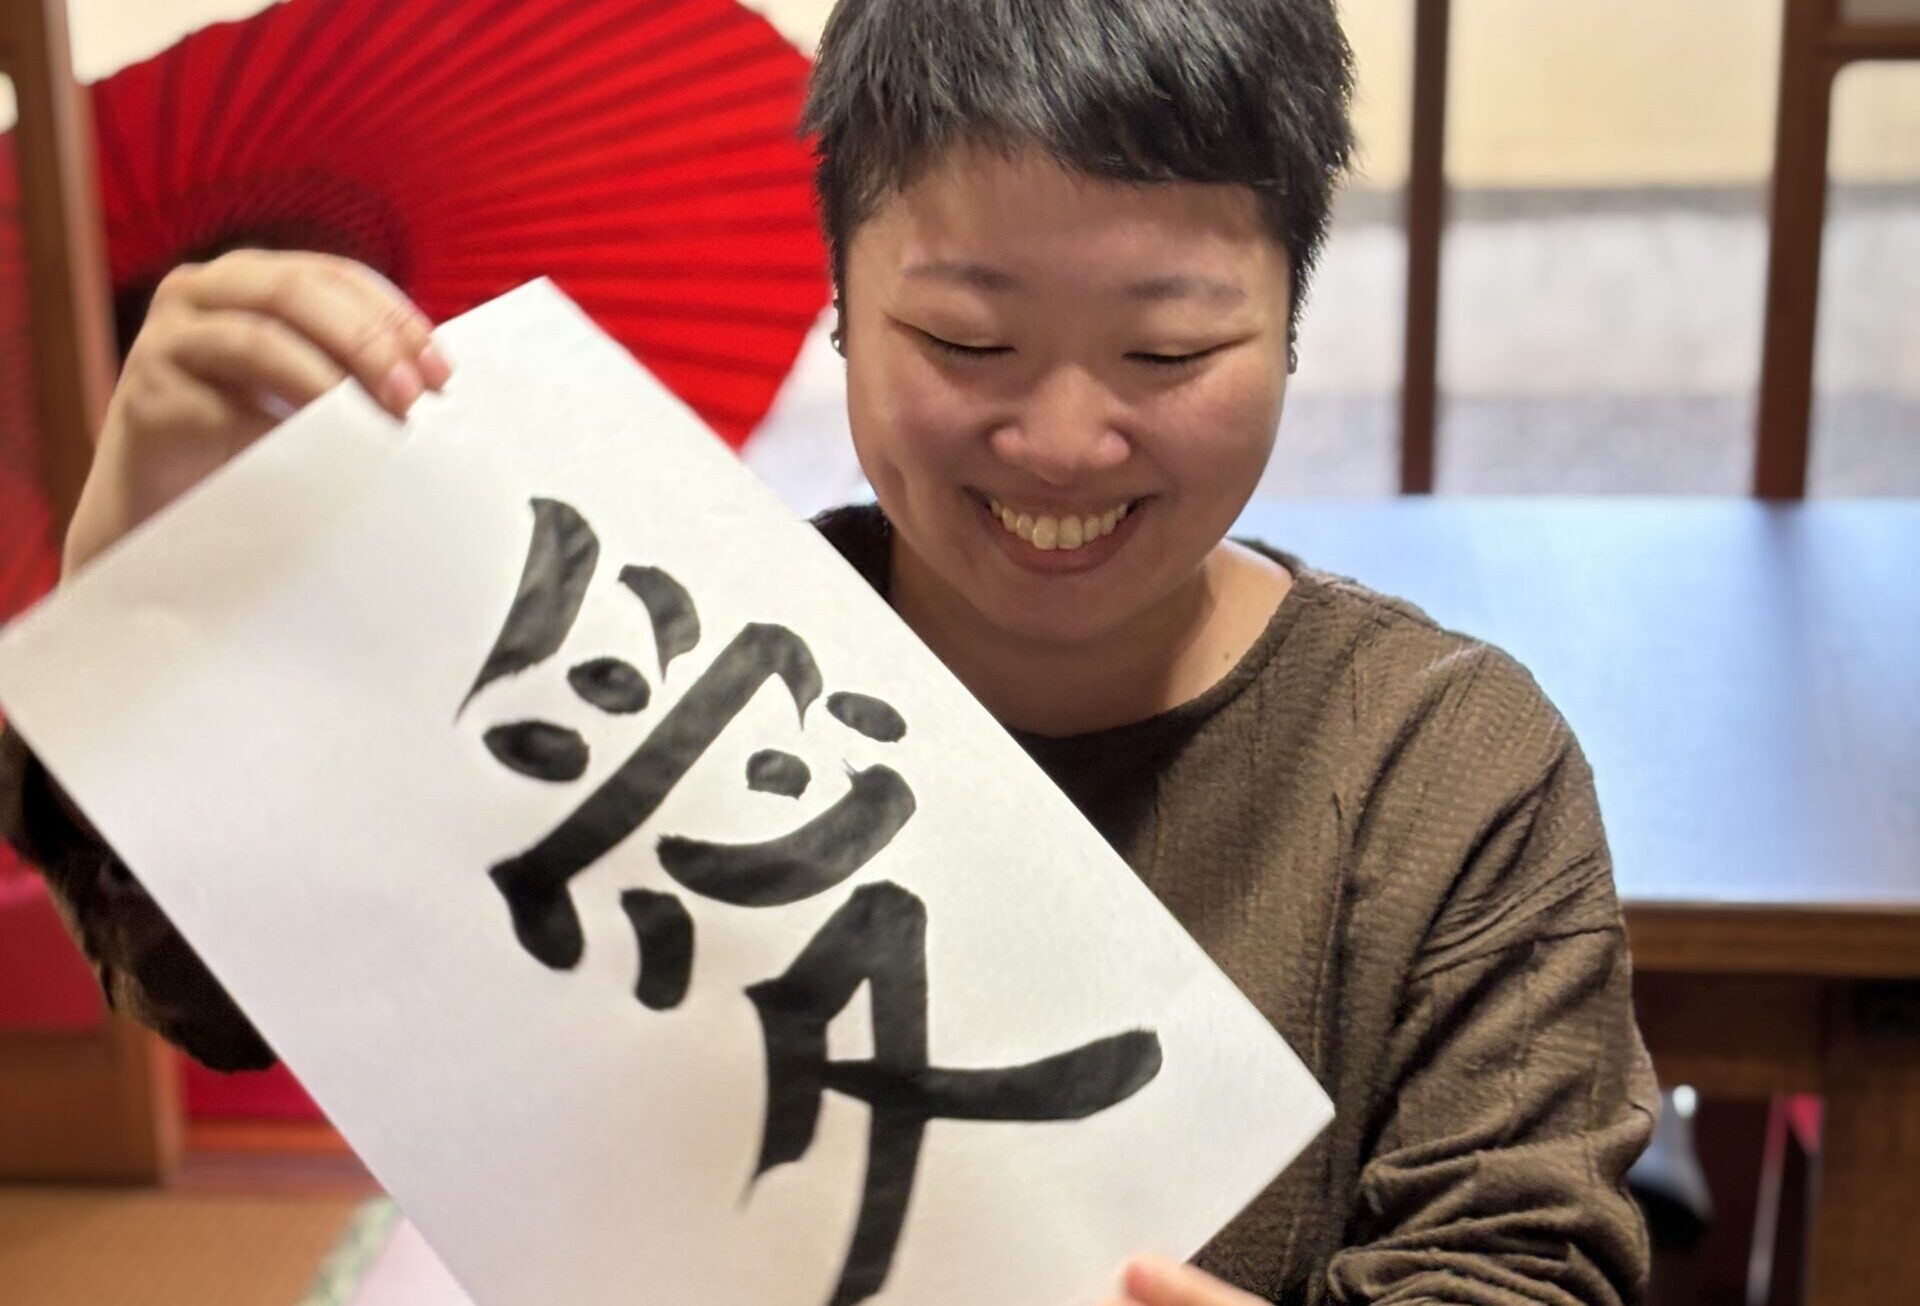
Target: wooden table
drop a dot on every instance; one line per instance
(1746, 681)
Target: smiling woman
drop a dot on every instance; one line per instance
(1071, 242)
(1071, 249)
(1071, 245)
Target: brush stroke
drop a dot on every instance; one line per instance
(613, 685)
(664, 932)
(539, 750)
(561, 556)
(771, 771)
(676, 623)
(870, 716)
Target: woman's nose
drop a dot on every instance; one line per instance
(1064, 430)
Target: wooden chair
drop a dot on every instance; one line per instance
(1821, 38)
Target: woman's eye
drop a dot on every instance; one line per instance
(965, 351)
(1172, 360)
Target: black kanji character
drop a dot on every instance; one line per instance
(879, 938)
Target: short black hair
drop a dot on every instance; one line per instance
(1245, 92)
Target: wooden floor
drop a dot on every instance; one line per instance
(63, 1247)
(249, 1222)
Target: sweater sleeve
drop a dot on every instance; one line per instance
(146, 969)
(1516, 1090)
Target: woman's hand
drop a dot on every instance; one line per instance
(1150, 1281)
(228, 350)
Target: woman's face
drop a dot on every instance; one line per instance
(1063, 390)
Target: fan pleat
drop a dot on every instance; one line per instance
(688, 201)
(712, 399)
(115, 157)
(685, 199)
(638, 310)
(725, 261)
(665, 279)
(289, 70)
(600, 147)
(418, 78)
(274, 124)
(728, 83)
(236, 84)
(609, 172)
(392, 70)
(614, 235)
(167, 120)
(714, 90)
(555, 53)
(534, 102)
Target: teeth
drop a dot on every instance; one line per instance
(1047, 532)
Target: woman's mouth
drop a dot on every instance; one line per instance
(1056, 540)
(1069, 531)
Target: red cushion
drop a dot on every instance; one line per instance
(45, 984)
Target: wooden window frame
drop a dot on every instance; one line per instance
(1816, 43)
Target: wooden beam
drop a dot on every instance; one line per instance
(103, 1104)
(1426, 221)
(1723, 939)
(1799, 210)
(68, 296)
(1850, 43)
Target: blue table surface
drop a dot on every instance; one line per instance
(1744, 677)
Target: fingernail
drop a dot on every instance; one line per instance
(1150, 1269)
(434, 367)
(401, 388)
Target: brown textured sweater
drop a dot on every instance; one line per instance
(1388, 838)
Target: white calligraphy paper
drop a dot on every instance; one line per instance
(862, 1010)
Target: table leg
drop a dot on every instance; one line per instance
(1866, 1239)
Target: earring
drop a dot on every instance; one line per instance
(838, 339)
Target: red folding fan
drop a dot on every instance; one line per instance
(641, 152)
